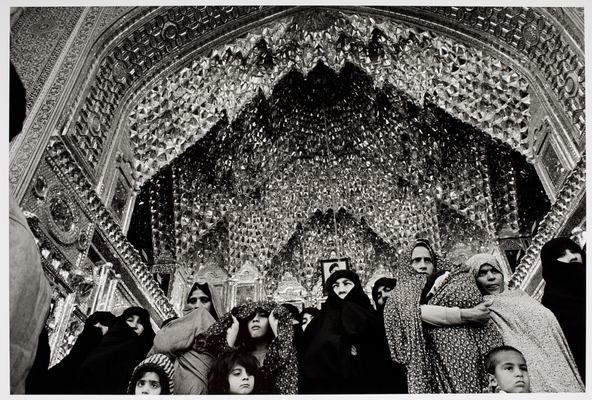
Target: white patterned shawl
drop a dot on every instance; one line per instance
(528, 326)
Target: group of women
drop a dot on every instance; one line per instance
(449, 359)
(349, 346)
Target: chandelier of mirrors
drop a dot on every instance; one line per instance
(330, 162)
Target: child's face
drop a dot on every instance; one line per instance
(511, 374)
(258, 326)
(240, 381)
(134, 322)
(148, 384)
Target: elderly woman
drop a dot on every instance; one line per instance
(564, 270)
(438, 359)
(529, 327)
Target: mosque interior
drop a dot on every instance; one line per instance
(247, 146)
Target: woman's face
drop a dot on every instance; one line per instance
(199, 299)
(240, 381)
(490, 280)
(421, 260)
(149, 384)
(306, 318)
(570, 256)
(134, 322)
(258, 325)
(382, 293)
(342, 286)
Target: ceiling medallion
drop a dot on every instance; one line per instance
(40, 187)
(83, 242)
(316, 20)
(530, 34)
(95, 124)
(44, 26)
(571, 84)
(169, 31)
(62, 216)
(120, 71)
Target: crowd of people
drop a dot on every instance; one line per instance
(436, 327)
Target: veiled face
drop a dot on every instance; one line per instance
(421, 261)
(383, 293)
(342, 286)
(306, 318)
(135, 323)
(570, 256)
(199, 299)
(490, 280)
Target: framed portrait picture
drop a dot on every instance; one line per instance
(330, 266)
(245, 293)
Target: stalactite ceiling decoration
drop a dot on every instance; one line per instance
(262, 187)
(470, 85)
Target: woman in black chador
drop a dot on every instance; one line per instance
(345, 348)
(62, 377)
(564, 270)
(108, 369)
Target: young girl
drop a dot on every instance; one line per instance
(234, 373)
(153, 376)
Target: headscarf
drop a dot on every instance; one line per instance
(177, 339)
(345, 349)
(402, 321)
(528, 326)
(162, 366)
(565, 295)
(209, 290)
(386, 282)
(280, 367)
(63, 375)
(108, 369)
(438, 359)
(475, 263)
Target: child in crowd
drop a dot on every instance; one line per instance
(507, 372)
(234, 373)
(153, 376)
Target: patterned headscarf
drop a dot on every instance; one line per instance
(475, 263)
(159, 364)
(402, 318)
(403, 325)
(280, 367)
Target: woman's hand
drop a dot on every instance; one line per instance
(273, 323)
(478, 315)
(232, 332)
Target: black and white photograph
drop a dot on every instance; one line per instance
(296, 199)
(332, 265)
